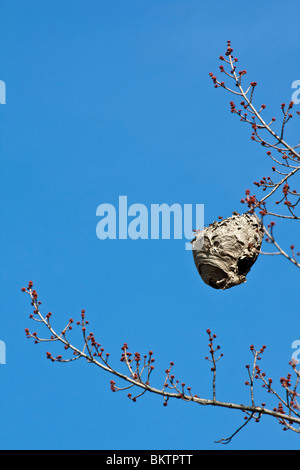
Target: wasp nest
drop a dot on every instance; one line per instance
(225, 251)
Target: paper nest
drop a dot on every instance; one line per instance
(225, 251)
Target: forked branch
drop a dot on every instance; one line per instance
(285, 157)
(139, 370)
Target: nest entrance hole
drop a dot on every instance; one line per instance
(244, 265)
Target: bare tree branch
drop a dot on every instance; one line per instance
(139, 372)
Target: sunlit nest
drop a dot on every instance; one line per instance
(225, 251)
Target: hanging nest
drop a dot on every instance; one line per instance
(225, 251)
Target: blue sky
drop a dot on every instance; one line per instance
(113, 98)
